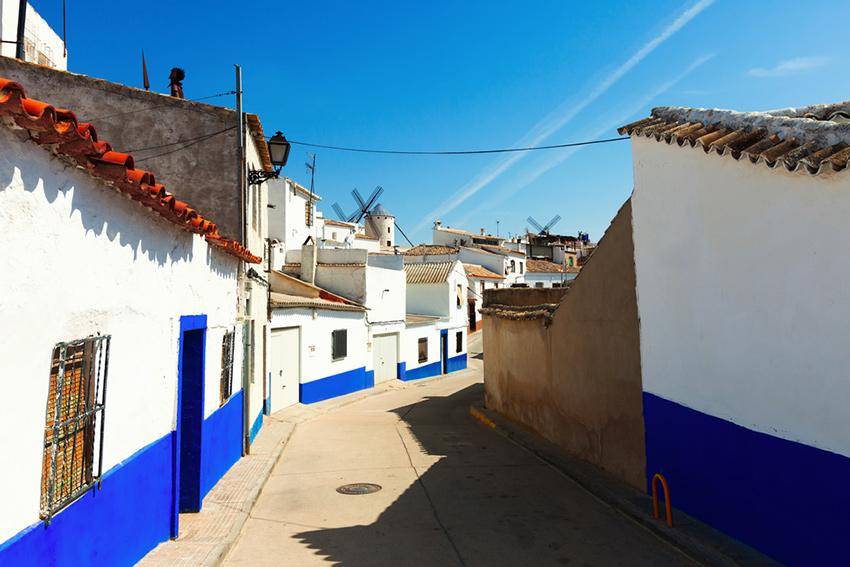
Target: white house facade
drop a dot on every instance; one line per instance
(435, 289)
(131, 345)
(744, 361)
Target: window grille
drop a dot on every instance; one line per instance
(74, 423)
(227, 366)
(423, 350)
(339, 347)
(308, 213)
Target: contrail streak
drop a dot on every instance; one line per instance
(560, 116)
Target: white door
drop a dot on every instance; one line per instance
(385, 349)
(285, 368)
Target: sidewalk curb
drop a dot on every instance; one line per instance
(691, 537)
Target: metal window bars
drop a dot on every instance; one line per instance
(74, 423)
(227, 366)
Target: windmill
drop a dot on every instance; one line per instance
(363, 208)
(544, 230)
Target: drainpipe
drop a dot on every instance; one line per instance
(22, 25)
(246, 378)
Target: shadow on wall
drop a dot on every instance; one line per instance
(484, 501)
(101, 209)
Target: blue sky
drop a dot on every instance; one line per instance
(447, 76)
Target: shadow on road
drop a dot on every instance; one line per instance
(480, 500)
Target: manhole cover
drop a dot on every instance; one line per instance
(358, 488)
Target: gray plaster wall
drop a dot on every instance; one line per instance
(165, 135)
(577, 380)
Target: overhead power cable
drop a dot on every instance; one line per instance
(458, 153)
(197, 141)
(201, 138)
(155, 107)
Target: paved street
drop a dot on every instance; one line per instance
(454, 492)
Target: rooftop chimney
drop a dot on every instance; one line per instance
(482, 232)
(308, 263)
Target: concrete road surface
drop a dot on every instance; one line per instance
(454, 492)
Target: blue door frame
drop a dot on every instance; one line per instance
(186, 448)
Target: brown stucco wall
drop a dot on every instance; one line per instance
(205, 175)
(576, 380)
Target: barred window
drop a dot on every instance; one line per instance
(339, 348)
(227, 366)
(74, 423)
(308, 213)
(423, 350)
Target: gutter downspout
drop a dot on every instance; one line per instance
(246, 379)
(22, 25)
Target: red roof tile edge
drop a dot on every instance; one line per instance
(49, 125)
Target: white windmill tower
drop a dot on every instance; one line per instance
(381, 225)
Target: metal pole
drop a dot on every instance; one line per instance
(246, 379)
(22, 24)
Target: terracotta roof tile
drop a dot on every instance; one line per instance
(547, 267)
(365, 236)
(78, 141)
(812, 139)
(502, 250)
(431, 250)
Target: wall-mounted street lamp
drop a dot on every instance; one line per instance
(279, 153)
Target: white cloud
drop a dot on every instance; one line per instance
(565, 112)
(791, 66)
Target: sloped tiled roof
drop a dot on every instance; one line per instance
(812, 139)
(428, 272)
(66, 136)
(289, 301)
(414, 319)
(331, 222)
(501, 250)
(547, 267)
(480, 272)
(430, 249)
(365, 236)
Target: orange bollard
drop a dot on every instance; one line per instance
(666, 498)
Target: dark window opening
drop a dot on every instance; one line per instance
(423, 350)
(459, 341)
(74, 423)
(227, 366)
(339, 348)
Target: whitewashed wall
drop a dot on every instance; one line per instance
(410, 345)
(736, 320)
(81, 259)
(37, 31)
(547, 279)
(386, 289)
(287, 219)
(492, 262)
(316, 342)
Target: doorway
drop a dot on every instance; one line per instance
(285, 368)
(186, 455)
(385, 349)
(444, 351)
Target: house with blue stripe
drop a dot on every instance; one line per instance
(704, 339)
(121, 351)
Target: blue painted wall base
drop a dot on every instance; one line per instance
(116, 525)
(255, 427)
(402, 371)
(221, 442)
(457, 363)
(783, 498)
(424, 371)
(336, 385)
